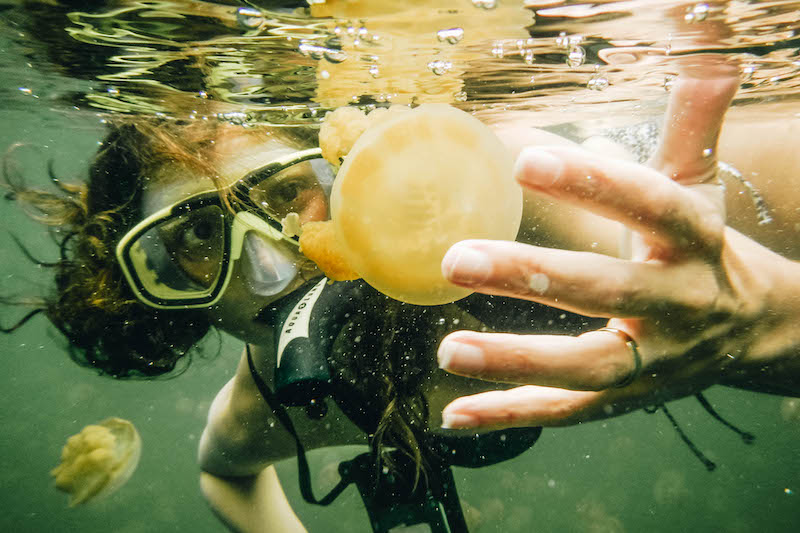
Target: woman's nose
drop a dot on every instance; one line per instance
(265, 268)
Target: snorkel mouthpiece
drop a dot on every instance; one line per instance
(266, 269)
(309, 320)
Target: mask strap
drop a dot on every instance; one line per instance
(303, 470)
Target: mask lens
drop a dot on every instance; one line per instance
(302, 188)
(181, 257)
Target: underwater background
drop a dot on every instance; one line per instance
(629, 474)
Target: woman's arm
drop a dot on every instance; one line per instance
(240, 442)
(251, 503)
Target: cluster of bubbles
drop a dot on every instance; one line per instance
(524, 49)
(696, 13)
(576, 55)
(450, 35)
(356, 35)
(317, 51)
(440, 66)
(669, 81)
(485, 4)
(598, 82)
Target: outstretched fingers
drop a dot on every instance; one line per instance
(594, 361)
(527, 406)
(582, 282)
(698, 101)
(666, 214)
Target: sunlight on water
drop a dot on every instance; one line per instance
(70, 67)
(203, 60)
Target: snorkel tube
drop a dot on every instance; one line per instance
(308, 321)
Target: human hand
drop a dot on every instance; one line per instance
(698, 303)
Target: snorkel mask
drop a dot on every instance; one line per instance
(183, 256)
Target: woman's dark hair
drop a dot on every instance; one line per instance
(92, 304)
(386, 353)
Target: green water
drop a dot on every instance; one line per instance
(629, 474)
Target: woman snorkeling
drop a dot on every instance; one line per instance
(178, 229)
(181, 227)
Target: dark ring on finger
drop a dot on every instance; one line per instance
(637, 358)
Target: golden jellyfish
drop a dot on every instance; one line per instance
(98, 460)
(414, 183)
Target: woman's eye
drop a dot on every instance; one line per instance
(285, 193)
(199, 234)
(203, 230)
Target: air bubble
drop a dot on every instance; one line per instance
(335, 56)
(598, 83)
(374, 71)
(497, 50)
(440, 66)
(235, 118)
(697, 13)
(314, 51)
(203, 95)
(669, 81)
(460, 96)
(485, 4)
(249, 17)
(747, 73)
(528, 57)
(451, 35)
(576, 57)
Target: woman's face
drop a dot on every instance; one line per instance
(235, 156)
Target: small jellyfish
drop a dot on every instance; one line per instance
(790, 409)
(290, 225)
(98, 460)
(671, 488)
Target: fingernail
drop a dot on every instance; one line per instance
(537, 167)
(460, 356)
(466, 265)
(458, 421)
